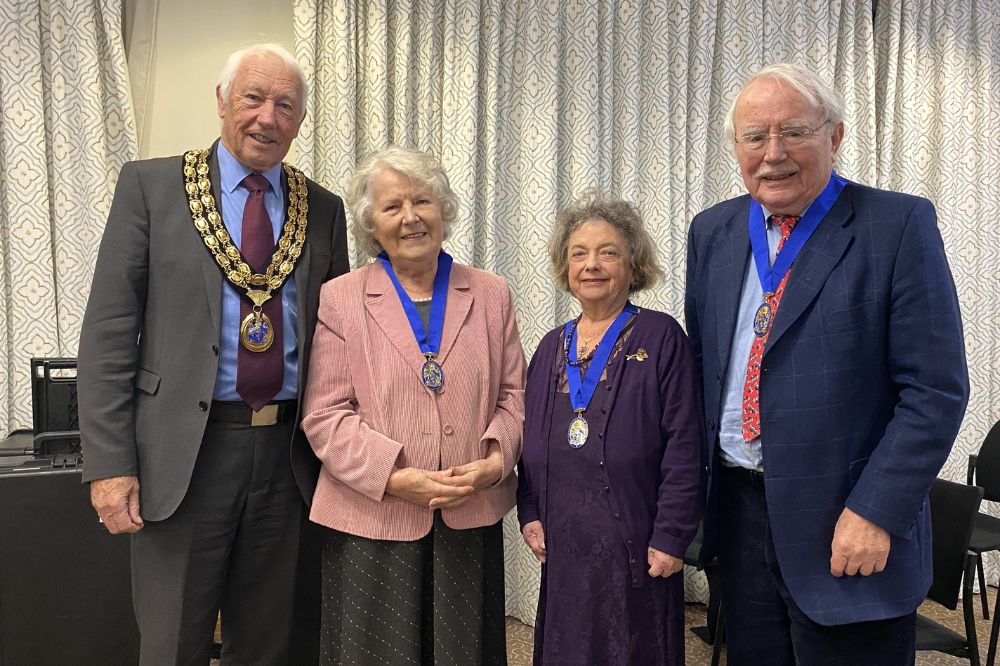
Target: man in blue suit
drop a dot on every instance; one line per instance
(827, 328)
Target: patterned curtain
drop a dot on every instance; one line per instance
(529, 103)
(66, 129)
(939, 136)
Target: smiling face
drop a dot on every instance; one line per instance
(600, 266)
(784, 179)
(406, 219)
(263, 113)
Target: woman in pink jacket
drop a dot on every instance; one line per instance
(414, 407)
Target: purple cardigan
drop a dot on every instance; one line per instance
(655, 462)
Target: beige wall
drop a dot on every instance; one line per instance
(176, 49)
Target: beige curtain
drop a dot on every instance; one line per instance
(939, 136)
(66, 128)
(530, 103)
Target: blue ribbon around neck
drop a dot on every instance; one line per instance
(429, 341)
(771, 276)
(581, 389)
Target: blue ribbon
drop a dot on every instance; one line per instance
(771, 276)
(581, 389)
(428, 340)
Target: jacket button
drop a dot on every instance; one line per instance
(215, 349)
(203, 406)
(600, 436)
(718, 379)
(448, 429)
(711, 424)
(600, 464)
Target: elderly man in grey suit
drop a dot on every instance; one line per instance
(192, 358)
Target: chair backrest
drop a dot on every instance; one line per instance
(988, 465)
(953, 511)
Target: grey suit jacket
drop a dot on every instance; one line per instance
(150, 342)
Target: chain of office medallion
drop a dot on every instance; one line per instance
(208, 222)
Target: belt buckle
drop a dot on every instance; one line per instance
(267, 416)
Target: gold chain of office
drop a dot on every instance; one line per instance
(208, 222)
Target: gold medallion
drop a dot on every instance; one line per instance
(256, 331)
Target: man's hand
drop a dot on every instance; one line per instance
(859, 546)
(534, 536)
(661, 564)
(116, 501)
(427, 489)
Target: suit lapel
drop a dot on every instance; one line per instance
(456, 310)
(210, 269)
(384, 307)
(735, 247)
(813, 265)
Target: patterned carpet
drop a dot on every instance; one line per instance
(519, 636)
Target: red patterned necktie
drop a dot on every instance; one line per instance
(259, 375)
(751, 388)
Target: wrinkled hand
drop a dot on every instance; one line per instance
(859, 546)
(534, 536)
(426, 488)
(481, 473)
(116, 501)
(661, 564)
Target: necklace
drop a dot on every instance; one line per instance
(256, 330)
(596, 336)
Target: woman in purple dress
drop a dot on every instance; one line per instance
(610, 481)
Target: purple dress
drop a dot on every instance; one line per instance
(589, 612)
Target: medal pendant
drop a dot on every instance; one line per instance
(578, 431)
(256, 332)
(432, 374)
(763, 318)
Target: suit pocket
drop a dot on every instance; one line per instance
(147, 382)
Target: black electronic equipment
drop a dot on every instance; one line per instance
(55, 420)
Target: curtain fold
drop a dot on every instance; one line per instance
(938, 135)
(67, 127)
(530, 103)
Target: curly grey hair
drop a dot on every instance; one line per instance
(624, 217)
(817, 92)
(419, 167)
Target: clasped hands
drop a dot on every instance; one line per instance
(447, 488)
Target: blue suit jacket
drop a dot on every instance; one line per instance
(863, 388)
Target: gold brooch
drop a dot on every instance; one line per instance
(640, 355)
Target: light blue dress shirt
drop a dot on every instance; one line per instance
(736, 452)
(234, 198)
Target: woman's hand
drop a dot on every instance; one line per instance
(661, 564)
(534, 536)
(481, 473)
(426, 488)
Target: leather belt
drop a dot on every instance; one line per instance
(751, 477)
(270, 414)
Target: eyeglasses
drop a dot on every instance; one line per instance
(790, 138)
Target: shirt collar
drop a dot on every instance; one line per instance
(232, 172)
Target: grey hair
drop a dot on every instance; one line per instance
(236, 59)
(620, 214)
(817, 92)
(419, 167)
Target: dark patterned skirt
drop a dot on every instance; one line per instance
(437, 600)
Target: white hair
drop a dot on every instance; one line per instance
(236, 59)
(817, 93)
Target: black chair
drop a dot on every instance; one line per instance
(715, 632)
(953, 510)
(984, 471)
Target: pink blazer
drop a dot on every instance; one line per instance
(366, 409)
